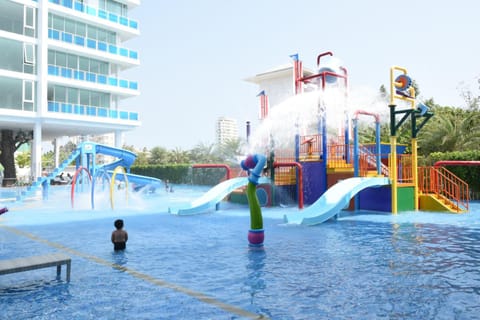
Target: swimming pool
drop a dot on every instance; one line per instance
(362, 266)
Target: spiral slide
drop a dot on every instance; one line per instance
(333, 201)
(209, 200)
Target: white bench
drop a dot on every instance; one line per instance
(36, 262)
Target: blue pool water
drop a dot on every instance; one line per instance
(362, 266)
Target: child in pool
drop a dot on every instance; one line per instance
(119, 236)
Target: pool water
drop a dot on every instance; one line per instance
(362, 266)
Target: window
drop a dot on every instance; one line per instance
(72, 95)
(29, 21)
(28, 95)
(27, 91)
(71, 61)
(29, 53)
(61, 59)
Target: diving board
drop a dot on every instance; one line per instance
(333, 201)
(36, 262)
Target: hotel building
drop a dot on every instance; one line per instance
(226, 129)
(61, 69)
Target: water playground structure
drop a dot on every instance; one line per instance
(325, 175)
(320, 172)
(90, 174)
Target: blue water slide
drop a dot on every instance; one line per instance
(126, 158)
(209, 200)
(333, 201)
(140, 180)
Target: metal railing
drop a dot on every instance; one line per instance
(93, 11)
(70, 73)
(78, 109)
(443, 183)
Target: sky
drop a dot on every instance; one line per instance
(195, 55)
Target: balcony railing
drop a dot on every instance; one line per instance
(91, 43)
(83, 110)
(93, 11)
(70, 73)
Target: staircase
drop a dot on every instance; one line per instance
(441, 188)
(371, 160)
(32, 189)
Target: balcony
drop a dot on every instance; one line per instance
(82, 110)
(91, 44)
(80, 75)
(102, 14)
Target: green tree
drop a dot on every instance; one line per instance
(158, 155)
(451, 129)
(203, 153)
(231, 149)
(178, 156)
(10, 142)
(23, 159)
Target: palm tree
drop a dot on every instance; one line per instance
(451, 129)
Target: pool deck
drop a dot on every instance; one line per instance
(36, 262)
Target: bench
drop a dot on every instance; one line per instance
(36, 262)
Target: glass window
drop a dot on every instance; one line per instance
(83, 63)
(92, 32)
(94, 99)
(111, 37)
(27, 91)
(28, 53)
(72, 95)
(102, 35)
(61, 59)
(102, 4)
(103, 68)
(58, 23)
(50, 93)
(51, 57)
(72, 61)
(81, 29)
(70, 26)
(60, 94)
(84, 97)
(94, 66)
(30, 17)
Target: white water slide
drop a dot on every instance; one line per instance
(333, 201)
(209, 200)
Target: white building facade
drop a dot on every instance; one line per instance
(60, 69)
(226, 130)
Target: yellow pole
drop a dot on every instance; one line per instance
(393, 171)
(414, 155)
(393, 143)
(415, 171)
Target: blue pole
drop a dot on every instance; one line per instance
(356, 156)
(377, 147)
(347, 140)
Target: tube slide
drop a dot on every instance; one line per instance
(126, 158)
(140, 180)
(215, 195)
(333, 201)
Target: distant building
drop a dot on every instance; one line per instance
(277, 83)
(61, 69)
(226, 129)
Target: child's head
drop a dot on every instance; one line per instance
(118, 223)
